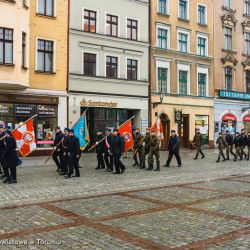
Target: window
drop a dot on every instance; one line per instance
(6, 46)
(202, 44)
(132, 29)
(89, 24)
(202, 84)
(248, 81)
(112, 25)
(111, 67)
(46, 7)
(23, 49)
(228, 38)
(228, 78)
(89, 64)
(247, 7)
(162, 38)
(162, 6)
(183, 42)
(183, 9)
(228, 4)
(201, 14)
(162, 80)
(45, 53)
(132, 69)
(247, 43)
(183, 81)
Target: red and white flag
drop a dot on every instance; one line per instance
(25, 138)
(158, 128)
(126, 131)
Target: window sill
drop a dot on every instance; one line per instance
(24, 68)
(163, 14)
(229, 51)
(46, 16)
(203, 25)
(11, 65)
(246, 15)
(45, 72)
(184, 20)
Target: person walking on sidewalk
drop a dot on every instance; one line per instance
(145, 148)
(229, 147)
(198, 142)
(221, 145)
(138, 148)
(248, 145)
(109, 160)
(100, 148)
(173, 148)
(2, 147)
(238, 143)
(58, 153)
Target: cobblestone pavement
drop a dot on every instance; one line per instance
(202, 205)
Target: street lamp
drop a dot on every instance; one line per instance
(155, 104)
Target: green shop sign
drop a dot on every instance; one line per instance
(234, 95)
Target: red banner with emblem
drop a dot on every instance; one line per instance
(126, 131)
(25, 138)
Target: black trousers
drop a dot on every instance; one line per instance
(10, 171)
(73, 164)
(100, 160)
(177, 156)
(64, 163)
(109, 161)
(55, 157)
(119, 166)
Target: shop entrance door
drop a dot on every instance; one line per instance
(183, 132)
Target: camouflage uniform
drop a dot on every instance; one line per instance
(221, 145)
(154, 151)
(145, 149)
(238, 144)
(198, 142)
(229, 146)
(138, 148)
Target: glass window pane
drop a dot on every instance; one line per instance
(48, 62)
(49, 7)
(8, 52)
(40, 62)
(41, 6)
(1, 52)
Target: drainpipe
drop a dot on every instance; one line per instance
(149, 67)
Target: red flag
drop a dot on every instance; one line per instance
(126, 131)
(25, 138)
(158, 128)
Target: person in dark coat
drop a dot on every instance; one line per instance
(74, 155)
(174, 148)
(248, 146)
(238, 144)
(244, 144)
(2, 147)
(229, 146)
(65, 142)
(109, 160)
(100, 149)
(58, 153)
(117, 150)
(10, 159)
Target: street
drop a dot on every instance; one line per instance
(202, 205)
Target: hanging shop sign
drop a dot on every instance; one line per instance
(178, 116)
(229, 117)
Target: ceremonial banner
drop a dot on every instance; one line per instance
(25, 138)
(158, 128)
(126, 131)
(81, 132)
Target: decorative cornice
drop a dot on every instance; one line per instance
(246, 64)
(229, 58)
(245, 24)
(229, 19)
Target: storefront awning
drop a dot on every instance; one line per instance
(229, 117)
(246, 118)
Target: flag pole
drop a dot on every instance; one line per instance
(63, 138)
(21, 125)
(106, 136)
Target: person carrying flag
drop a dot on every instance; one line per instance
(58, 149)
(65, 159)
(109, 160)
(100, 148)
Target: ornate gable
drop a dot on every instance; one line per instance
(245, 25)
(229, 19)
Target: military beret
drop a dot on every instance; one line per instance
(71, 131)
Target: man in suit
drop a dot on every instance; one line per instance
(100, 148)
(109, 160)
(58, 153)
(174, 148)
(117, 150)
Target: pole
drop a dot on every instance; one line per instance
(63, 138)
(136, 151)
(106, 136)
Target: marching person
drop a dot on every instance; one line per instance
(229, 145)
(65, 160)
(154, 151)
(100, 148)
(198, 142)
(10, 159)
(248, 145)
(243, 144)
(138, 147)
(221, 145)
(109, 160)
(174, 148)
(117, 150)
(145, 148)
(74, 155)
(238, 144)
(2, 147)
(58, 153)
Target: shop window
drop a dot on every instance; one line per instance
(248, 81)
(202, 123)
(229, 122)
(229, 78)
(99, 114)
(89, 23)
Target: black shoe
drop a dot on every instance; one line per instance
(135, 164)
(203, 157)
(116, 173)
(228, 159)
(142, 167)
(179, 166)
(102, 167)
(166, 165)
(63, 173)
(12, 181)
(79, 166)
(224, 159)
(97, 168)
(76, 175)
(2, 176)
(110, 170)
(157, 169)
(58, 170)
(149, 169)
(218, 161)
(123, 170)
(195, 158)
(6, 179)
(67, 176)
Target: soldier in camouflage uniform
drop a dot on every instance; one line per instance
(221, 145)
(154, 151)
(145, 148)
(138, 147)
(198, 142)
(237, 142)
(229, 148)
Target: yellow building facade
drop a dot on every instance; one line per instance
(181, 72)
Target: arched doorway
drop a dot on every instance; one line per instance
(166, 130)
(246, 120)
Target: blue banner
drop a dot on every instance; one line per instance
(81, 132)
(234, 95)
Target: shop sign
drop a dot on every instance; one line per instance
(44, 110)
(245, 109)
(234, 95)
(178, 116)
(246, 118)
(6, 109)
(90, 103)
(229, 117)
(24, 109)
